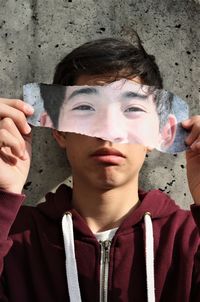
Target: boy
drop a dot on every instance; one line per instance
(105, 206)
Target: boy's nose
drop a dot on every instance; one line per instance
(112, 127)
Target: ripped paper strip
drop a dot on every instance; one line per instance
(121, 112)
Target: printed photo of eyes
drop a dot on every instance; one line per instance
(121, 112)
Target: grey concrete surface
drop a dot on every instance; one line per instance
(35, 35)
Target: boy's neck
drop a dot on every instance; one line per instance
(103, 210)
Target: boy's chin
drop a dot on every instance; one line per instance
(111, 182)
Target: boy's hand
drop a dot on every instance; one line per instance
(193, 156)
(15, 144)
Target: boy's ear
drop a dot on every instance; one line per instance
(45, 120)
(168, 132)
(60, 138)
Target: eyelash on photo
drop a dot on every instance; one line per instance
(84, 108)
(135, 109)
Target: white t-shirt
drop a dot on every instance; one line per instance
(105, 235)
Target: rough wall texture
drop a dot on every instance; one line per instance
(35, 35)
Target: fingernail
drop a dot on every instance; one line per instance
(187, 141)
(28, 128)
(185, 123)
(29, 108)
(192, 147)
(24, 155)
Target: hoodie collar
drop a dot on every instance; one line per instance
(157, 203)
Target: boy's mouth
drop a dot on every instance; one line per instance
(108, 156)
(108, 151)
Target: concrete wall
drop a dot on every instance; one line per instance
(35, 35)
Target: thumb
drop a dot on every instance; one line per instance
(187, 123)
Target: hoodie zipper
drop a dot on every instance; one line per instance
(104, 268)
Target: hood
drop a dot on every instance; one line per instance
(153, 205)
(155, 202)
(56, 204)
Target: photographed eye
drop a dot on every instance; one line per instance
(84, 108)
(134, 109)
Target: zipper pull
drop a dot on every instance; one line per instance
(106, 250)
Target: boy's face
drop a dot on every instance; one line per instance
(121, 112)
(100, 162)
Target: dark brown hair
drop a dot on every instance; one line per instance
(109, 56)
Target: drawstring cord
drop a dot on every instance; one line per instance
(71, 267)
(70, 262)
(149, 256)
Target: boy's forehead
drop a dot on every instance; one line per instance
(128, 85)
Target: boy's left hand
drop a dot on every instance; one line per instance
(193, 156)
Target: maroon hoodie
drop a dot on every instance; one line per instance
(32, 255)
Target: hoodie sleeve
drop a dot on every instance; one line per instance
(9, 207)
(195, 293)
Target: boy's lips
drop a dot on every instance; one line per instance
(108, 155)
(108, 151)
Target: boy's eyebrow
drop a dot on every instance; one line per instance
(84, 90)
(131, 94)
(94, 91)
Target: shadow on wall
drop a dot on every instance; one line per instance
(49, 166)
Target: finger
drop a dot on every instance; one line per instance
(195, 146)
(187, 124)
(16, 145)
(191, 121)
(27, 109)
(193, 135)
(28, 138)
(8, 157)
(10, 126)
(17, 116)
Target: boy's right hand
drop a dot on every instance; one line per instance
(15, 144)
